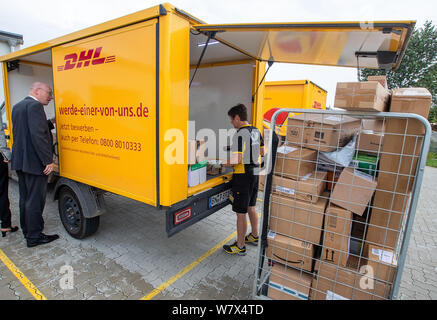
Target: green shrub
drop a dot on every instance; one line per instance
(431, 161)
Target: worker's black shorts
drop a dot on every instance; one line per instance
(244, 191)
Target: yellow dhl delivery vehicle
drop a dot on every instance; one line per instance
(130, 94)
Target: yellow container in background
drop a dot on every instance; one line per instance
(302, 94)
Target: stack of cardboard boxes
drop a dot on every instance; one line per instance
(338, 272)
(318, 241)
(296, 219)
(401, 146)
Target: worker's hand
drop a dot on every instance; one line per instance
(226, 164)
(49, 169)
(53, 120)
(4, 160)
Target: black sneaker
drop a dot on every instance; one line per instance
(234, 249)
(251, 239)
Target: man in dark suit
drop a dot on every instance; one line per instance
(32, 158)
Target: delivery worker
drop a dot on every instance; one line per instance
(247, 147)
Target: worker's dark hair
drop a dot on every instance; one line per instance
(240, 110)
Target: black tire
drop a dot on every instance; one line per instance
(70, 212)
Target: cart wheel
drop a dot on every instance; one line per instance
(70, 211)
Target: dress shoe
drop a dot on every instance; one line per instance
(41, 240)
(6, 230)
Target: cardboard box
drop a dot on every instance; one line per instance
(308, 189)
(197, 173)
(321, 132)
(370, 143)
(295, 162)
(389, 211)
(289, 284)
(402, 163)
(397, 170)
(332, 179)
(347, 283)
(393, 182)
(291, 252)
(298, 219)
(353, 190)
(411, 100)
(361, 96)
(382, 236)
(400, 152)
(336, 236)
(381, 79)
(383, 262)
(403, 138)
(376, 126)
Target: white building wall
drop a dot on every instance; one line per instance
(4, 49)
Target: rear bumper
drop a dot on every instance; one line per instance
(197, 207)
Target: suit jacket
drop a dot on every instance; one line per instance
(32, 148)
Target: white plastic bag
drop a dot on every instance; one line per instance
(341, 157)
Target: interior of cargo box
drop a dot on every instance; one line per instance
(223, 79)
(34, 67)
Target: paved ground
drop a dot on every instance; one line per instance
(128, 257)
(131, 255)
(419, 279)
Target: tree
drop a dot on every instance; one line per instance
(433, 115)
(418, 67)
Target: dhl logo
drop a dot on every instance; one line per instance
(86, 57)
(317, 105)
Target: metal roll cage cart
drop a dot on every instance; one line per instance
(406, 152)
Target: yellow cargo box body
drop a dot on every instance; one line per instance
(296, 94)
(125, 92)
(106, 125)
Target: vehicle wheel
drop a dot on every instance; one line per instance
(70, 211)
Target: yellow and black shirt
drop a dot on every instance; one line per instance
(248, 142)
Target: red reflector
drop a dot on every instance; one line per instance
(182, 215)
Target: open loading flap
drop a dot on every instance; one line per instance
(377, 45)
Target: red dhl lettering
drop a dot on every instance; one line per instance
(317, 105)
(85, 59)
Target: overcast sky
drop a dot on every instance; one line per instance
(42, 20)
